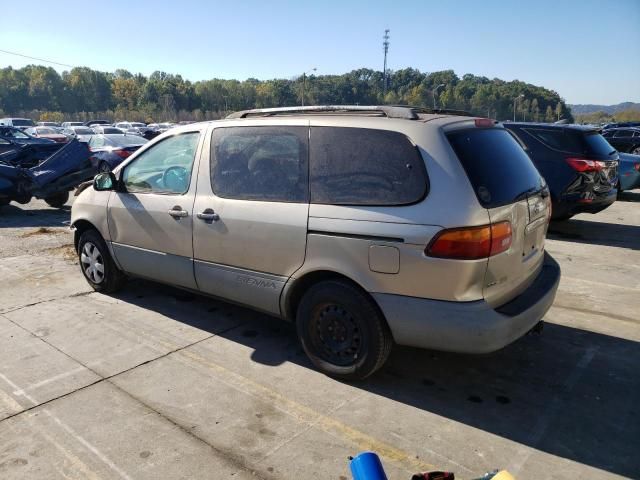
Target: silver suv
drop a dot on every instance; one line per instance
(366, 226)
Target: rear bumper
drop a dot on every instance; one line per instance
(573, 204)
(470, 327)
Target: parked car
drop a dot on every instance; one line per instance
(20, 123)
(37, 151)
(629, 172)
(620, 124)
(90, 123)
(580, 167)
(72, 124)
(624, 139)
(365, 225)
(24, 175)
(104, 130)
(47, 133)
(80, 133)
(18, 136)
(109, 150)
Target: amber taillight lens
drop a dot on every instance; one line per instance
(471, 243)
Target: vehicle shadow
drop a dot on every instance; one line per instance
(599, 233)
(13, 216)
(568, 392)
(629, 196)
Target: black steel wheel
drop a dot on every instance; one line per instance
(342, 330)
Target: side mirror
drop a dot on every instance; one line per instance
(104, 181)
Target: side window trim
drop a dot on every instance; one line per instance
(151, 147)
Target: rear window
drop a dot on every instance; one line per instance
(498, 168)
(597, 145)
(360, 166)
(21, 122)
(573, 141)
(111, 130)
(125, 141)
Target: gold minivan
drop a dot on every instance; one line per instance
(367, 226)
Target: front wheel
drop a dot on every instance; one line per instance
(96, 263)
(57, 200)
(342, 330)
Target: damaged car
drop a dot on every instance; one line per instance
(23, 175)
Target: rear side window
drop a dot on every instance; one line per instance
(359, 166)
(498, 168)
(260, 163)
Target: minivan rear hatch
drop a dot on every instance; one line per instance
(512, 190)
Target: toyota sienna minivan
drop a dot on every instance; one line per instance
(366, 226)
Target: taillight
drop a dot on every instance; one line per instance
(122, 153)
(585, 165)
(636, 166)
(471, 243)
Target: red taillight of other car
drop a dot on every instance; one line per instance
(471, 243)
(637, 166)
(122, 153)
(585, 165)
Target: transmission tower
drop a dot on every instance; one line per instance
(385, 47)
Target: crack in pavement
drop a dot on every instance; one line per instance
(39, 302)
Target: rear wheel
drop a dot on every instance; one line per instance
(97, 265)
(57, 200)
(342, 330)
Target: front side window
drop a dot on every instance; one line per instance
(164, 168)
(361, 166)
(260, 163)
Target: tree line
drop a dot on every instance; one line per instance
(42, 93)
(630, 115)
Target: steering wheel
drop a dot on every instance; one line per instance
(175, 178)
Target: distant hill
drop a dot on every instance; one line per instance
(610, 109)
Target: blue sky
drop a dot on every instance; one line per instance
(586, 50)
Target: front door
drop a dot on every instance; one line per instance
(150, 220)
(250, 225)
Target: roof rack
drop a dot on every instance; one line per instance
(389, 111)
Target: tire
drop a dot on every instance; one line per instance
(57, 200)
(4, 201)
(342, 330)
(104, 167)
(635, 151)
(96, 263)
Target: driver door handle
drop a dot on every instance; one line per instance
(208, 215)
(178, 212)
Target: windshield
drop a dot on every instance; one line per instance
(83, 131)
(497, 166)
(22, 122)
(124, 140)
(12, 133)
(46, 131)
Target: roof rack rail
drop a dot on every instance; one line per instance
(389, 111)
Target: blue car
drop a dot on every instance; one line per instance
(629, 171)
(109, 150)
